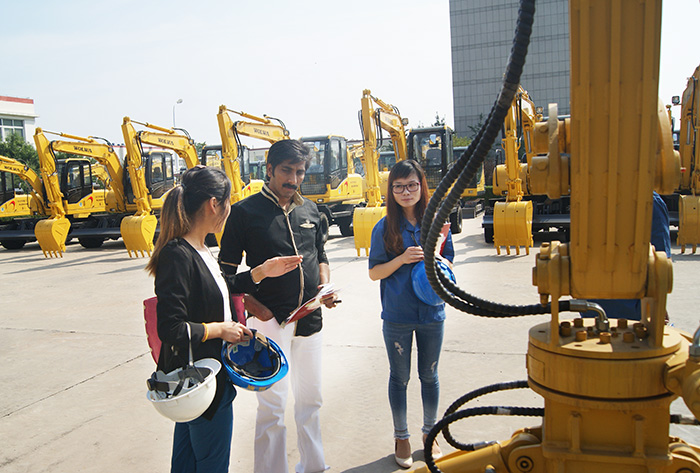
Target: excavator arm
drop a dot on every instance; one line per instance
(373, 120)
(138, 231)
(104, 154)
(260, 128)
(52, 232)
(512, 219)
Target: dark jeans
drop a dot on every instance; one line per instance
(398, 339)
(204, 446)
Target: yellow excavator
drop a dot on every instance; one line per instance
(688, 196)
(372, 121)
(607, 382)
(510, 222)
(232, 155)
(22, 208)
(332, 183)
(71, 199)
(150, 181)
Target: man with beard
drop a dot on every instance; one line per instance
(278, 221)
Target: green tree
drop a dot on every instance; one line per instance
(439, 121)
(461, 141)
(199, 147)
(15, 147)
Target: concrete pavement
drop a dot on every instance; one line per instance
(75, 360)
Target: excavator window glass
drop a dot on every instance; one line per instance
(387, 159)
(337, 163)
(76, 180)
(160, 173)
(315, 180)
(168, 168)
(6, 187)
(427, 150)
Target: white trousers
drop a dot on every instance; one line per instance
(304, 357)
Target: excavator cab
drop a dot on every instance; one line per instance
(160, 177)
(332, 182)
(76, 179)
(433, 149)
(329, 165)
(250, 171)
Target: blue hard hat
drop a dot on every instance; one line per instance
(422, 287)
(254, 364)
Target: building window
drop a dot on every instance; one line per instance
(9, 126)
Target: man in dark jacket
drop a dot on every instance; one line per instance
(278, 221)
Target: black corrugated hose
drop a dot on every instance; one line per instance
(463, 171)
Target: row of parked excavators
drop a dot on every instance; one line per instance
(96, 195)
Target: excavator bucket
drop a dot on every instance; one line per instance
(51, 235)
(138, 233)
(512, 226)
(689, 221)
(363, 221)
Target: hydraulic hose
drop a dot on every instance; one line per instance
(459, 176)
(470, 397)
(473, 412)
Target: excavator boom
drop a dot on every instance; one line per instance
(383, 117)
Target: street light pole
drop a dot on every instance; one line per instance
(178, 101)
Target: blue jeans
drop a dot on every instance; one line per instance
(398, 339)
(204, 446)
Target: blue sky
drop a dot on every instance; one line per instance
(87, 64)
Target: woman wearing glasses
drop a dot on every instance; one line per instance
(394, 251)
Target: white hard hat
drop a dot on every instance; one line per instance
(185, 393)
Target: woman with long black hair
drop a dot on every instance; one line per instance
(193, 294)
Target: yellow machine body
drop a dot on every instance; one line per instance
(689, 204)
(689, 221)
(606, 389)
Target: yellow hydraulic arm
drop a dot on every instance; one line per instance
(261, 128)
(607, 387)
(104, 154)
(138, 231)
(689, 205)
(27, 206)
(386, 117)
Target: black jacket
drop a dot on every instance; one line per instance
(259, 227)
(187, 293)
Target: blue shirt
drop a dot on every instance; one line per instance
(399, 303)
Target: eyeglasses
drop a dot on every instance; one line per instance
(399, 188)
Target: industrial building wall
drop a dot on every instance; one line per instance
(17, 116)
(482, 34)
